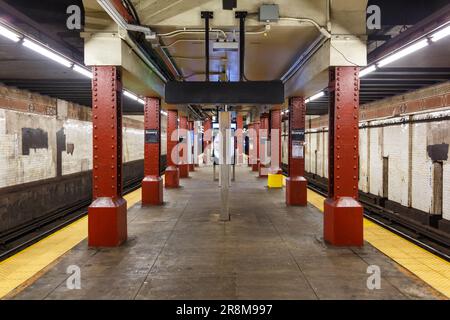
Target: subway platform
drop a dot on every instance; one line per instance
(266, 251)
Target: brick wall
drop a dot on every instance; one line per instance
(56, 135)
(405, 144)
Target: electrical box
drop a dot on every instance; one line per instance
(269, 13)
(225, 46)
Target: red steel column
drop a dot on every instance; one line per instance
(239, 138)
(262, 142)
(255, 164)
(172, 175)
(296, 182)
(152, 185)
(275, 124)
(207, 136)
(184, 166)
(191, 147)
(343, 218)
(107, 219)
(250, 158)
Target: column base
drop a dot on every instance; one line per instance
(343, 222)
(152, 191)
(255, 167)
(192, 167)
(261, 167)
(184, 170)
(296, 194)
(172, 177)
(107, 222)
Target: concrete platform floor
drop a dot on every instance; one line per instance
(267, 251)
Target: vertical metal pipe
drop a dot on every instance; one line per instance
(241, 15)
(206, 15)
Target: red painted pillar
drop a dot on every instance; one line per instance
(239, 139)
(296, 182)
(152, 185)
(191, 147)
(255, 163)
(275, 141)
(184, 165)
(207, 136)
(107, 219)
(172, 175)
(343, 218)
(263, 145)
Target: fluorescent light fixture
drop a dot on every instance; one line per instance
(367, 70)
(83, 71)
(47, 53)
(404, 52)
(164, 113)
(9, 34)
(316, 96)
(440, 34)
(130, 95)
(133, 96)
(307, 101)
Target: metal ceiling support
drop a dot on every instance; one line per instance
(183, 164)
(207, 15)
(296, 183)
(241, 15)
(343, 214)
(152, 184)
(172, 175)
(108, 211)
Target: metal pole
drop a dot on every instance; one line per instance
(206, 15)
(241, 15)
(224, 126)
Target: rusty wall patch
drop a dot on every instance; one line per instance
(438, 152)
(33, 139)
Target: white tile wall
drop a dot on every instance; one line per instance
(395, 146)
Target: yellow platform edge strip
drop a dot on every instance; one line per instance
(23, 267)
(428, 267)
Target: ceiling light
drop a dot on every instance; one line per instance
(316, 96)
(83, 71)
(130, 95)
(9, 34)
(164, 113)
(367, 70)
(440, 34)
(141, 101)
(47, 53)
(404, 52)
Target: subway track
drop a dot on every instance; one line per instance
(424, 236)
(22, 237)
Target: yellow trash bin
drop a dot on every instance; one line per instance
(275, 180)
